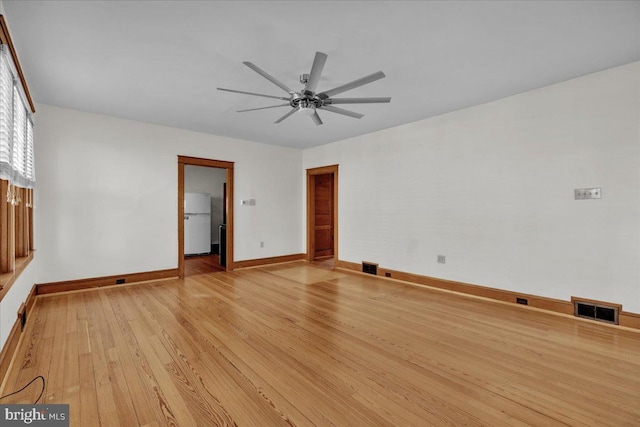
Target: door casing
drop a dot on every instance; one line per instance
(228, 205)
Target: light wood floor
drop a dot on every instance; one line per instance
(299, 345)
(201, 264)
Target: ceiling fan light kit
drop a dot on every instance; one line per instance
(307, 111)
(307, 101)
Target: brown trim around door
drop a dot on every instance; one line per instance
(311, 174)
(196, 161)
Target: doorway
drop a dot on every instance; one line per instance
(226, 237)
(322, 213)
(204, 222)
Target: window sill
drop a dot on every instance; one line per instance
(8, 279)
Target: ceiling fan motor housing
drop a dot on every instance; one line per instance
(306, 101)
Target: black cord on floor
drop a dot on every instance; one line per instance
(28, 384)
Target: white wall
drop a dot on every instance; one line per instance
(202, 179)
(106, 199)
(491, 188)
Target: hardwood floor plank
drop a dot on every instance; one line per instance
(107, 409)
(145, 387)
(179, 354)
(88, 393)
(72, 313)
(201, 264)
(136, 388)
(71, 379)
(172, 399)
(122, 395)
(185, 351)
(56, 372)
(299, 344)
(246, 404)
(84, 340)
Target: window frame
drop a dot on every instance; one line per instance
(16, 220)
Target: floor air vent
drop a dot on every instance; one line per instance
(370, 268)
(594, 310)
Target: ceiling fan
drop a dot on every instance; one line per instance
(307, 101)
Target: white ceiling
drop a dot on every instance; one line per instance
(160, 62)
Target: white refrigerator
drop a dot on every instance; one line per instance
(197, 223)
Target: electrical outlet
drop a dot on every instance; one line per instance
(262, 244)
(252, 202)
(587, 193)
(522, 301)
(441, 259)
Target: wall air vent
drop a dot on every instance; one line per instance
(596, 310)
(370, 268)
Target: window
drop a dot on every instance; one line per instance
(17, 174)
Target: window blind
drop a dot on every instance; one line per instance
(29, 172)
(19, 135)
(16, 128)
(6, 117)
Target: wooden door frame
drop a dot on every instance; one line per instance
(311, 174)
(228, 205)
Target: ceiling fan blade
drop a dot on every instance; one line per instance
(352, 85)
(331, 101)
(293, 110)
(316, 118)
(342, 111)
(268, 76)
(253, 93)
(264, 108)
(316, 72)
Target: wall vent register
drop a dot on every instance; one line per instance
(596, 311)
(370, 268)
